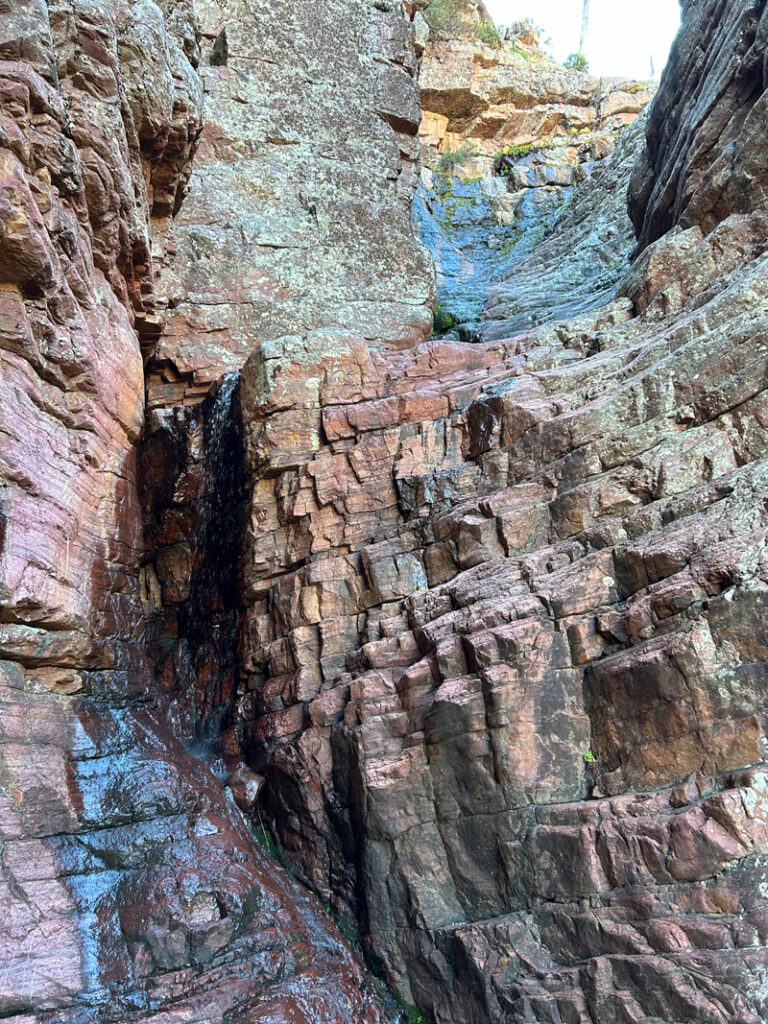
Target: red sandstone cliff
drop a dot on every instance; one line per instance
(488, 619)
(131, 887)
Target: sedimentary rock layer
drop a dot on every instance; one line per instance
(579, 266)
(496, 640)
(505, 632)
(131, 887)
(480, 97)
(508, 138)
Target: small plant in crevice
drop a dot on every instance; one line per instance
(593, 772)
(523, 149)
(576, 62)
(407, 1013)
(487, 33)
(446, 18)
(398, 1011)
(454, 157)
(266, 841)
(503, 158)
(415, 1016)
(443, 320)
(347, 929)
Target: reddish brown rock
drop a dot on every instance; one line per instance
(489, 620)
(500, 99)
(132, 887)
(502, 706)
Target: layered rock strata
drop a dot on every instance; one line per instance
(505, 627)
(482, 97)
(132, 888)
(489, 620)
(580, 264)
(507, 137)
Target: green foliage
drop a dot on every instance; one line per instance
(515, 151)
(503, 166)
(453, 157)
(445, 18)
(167, 642)
(443, 320)
(487, 32)
(406, 1013)
(508, 245)
(577, 62)
(589, 758)
(347, 929)
(266, 842)
(414, 1015)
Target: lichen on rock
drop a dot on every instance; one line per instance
(471, 635)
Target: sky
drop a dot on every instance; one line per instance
(621, 39)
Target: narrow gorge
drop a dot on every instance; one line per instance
(383, 519)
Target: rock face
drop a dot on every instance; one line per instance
(580, 265)
(481, 96)
(298, 216)
(132, 888)
(479, 631)
(713, 117)
(505, 603)
(508, 136)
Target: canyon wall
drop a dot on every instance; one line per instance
(508, 139)
(298, 216)
(505, 607)
(477, 631)
(132, 887)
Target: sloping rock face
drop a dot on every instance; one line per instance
(581, 263)
(505, 632)
(508, 136)
(508, 261)
(709, 111)
(490, 619)
(298, 216)
(131, 887)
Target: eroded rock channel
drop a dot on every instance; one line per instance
(472, 635)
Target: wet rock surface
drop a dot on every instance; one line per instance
(508, 137)
(132, 887)
(477, 631)
(505, 630)
(580, 264)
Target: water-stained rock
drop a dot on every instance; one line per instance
(504, 623)
(477, 631)
(132, 887)
(508, 137)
